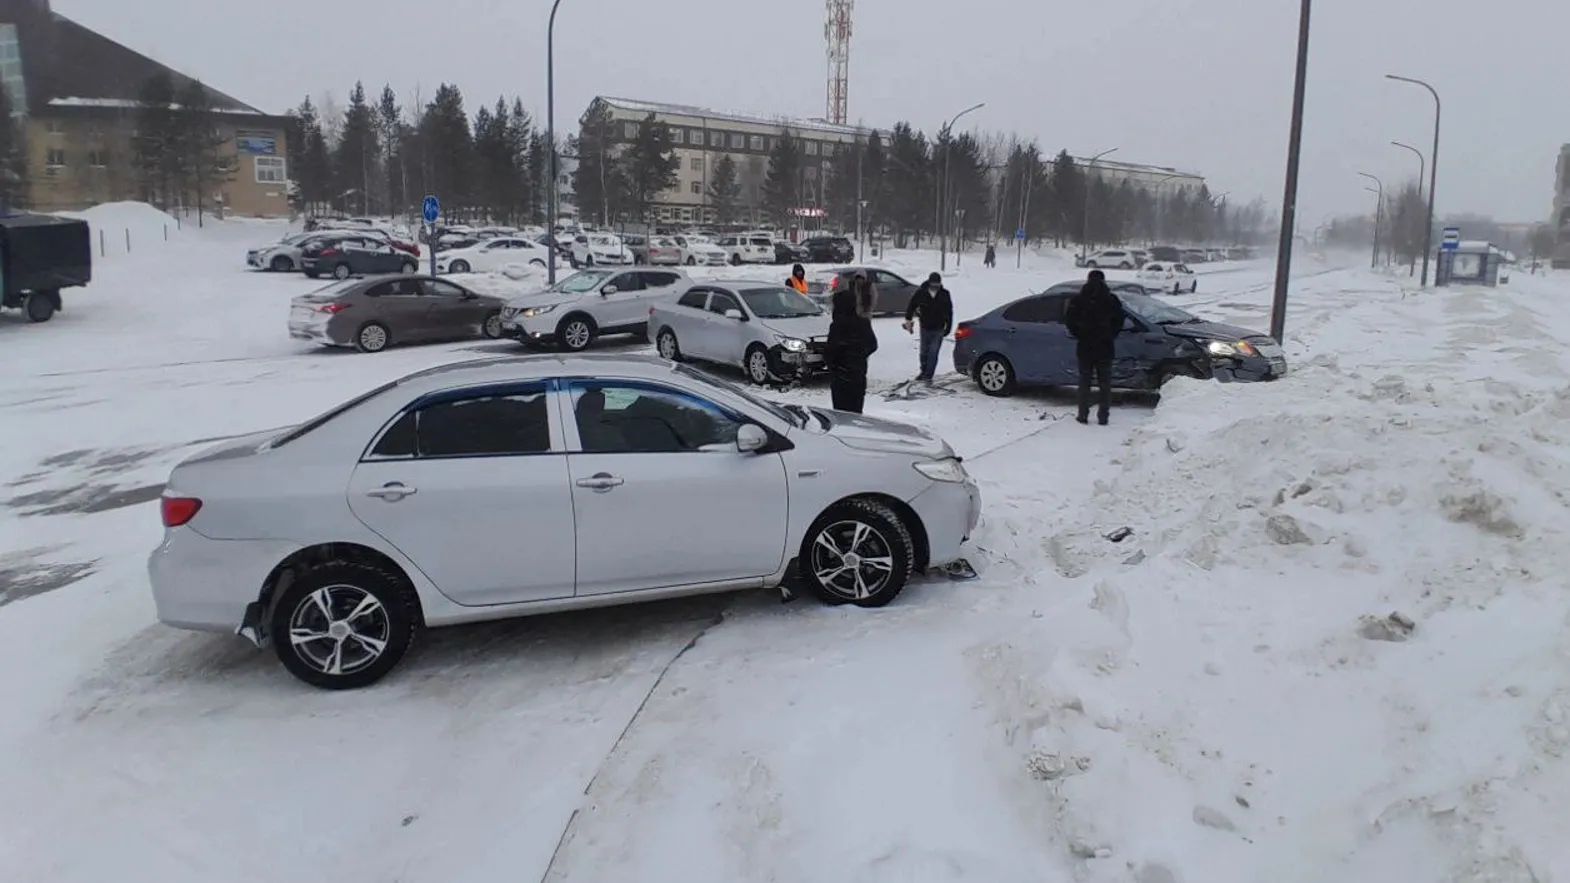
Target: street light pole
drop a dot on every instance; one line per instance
(1379, 214)
(1422, 166)
(1433, 171)
(550, 138)
(943, 186)
(1084, 239)
(1278, 303)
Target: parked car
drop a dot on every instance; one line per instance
(1141, 256)
(353, 254)
(769, 331)
(577, 310)
(1166, 253)
(744, 249)
(491, 255)
(698, 250)
(787, 252)
(829, 250)
(1025, 343)
(638, 244)
(663, 251)
(893, 290)
(1172, 277)
(282, 256)
(1110, 258)
(1194, 256)
(500, 488)
(373, 314)
(449, 244)
(590, 249)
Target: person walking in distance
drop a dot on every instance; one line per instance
(798, 279)
(991, 259)
(933, 306)
(851, 344)
(1095, 318)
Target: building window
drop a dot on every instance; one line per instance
(755, 142)
(54, 158)
(678, 136)
(736, 141)
(270, 170)
(697, 164)
(696, 137)
(629, 130)
(812, 148)
(55, 127)
(716, 139)
(828, 148)
(697, 189)
(98, 158)
(686, 214)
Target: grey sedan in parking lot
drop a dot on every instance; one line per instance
(375, 313)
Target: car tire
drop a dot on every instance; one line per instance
(342, 271)
(1125, 266)
(280, 264)
(692, 261)
(537, 263)
(39, 307)
(666, 345)
(492, 326)
(372, 337)
(458, 267)
(869, 530)
(995, 376)
(353, 607)
(409, 268)
(1192, 289)
(576, 333)
(756, 365)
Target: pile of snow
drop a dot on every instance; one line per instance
(510, 281)
(116, 219)
(1336, 633)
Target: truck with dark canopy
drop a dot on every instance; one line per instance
(39, 256)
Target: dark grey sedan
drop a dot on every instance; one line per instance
(893, 290)
(373, 314)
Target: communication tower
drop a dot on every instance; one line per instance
(836, 30)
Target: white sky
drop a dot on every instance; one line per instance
(1198, 84)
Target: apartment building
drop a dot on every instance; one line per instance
(1160, 180)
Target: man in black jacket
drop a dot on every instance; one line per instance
(850, 345)
(935, 307)
(1095, 318)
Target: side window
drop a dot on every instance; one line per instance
(658, 280)
(504, 424)
(721, 301)
(647, 419)
(440, 288)
(1039, 310)
(760, 242)
(728, 241)
(695, 298)
(396, 288)
(883, 277)
(626, 282)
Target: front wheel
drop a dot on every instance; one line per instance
(1092, 265)
(735, 260)
(344, 625)
(692, 261)
(995, 376)
(458, 267)
(492, 327)
(575, 333)
(758, 366)
(409, 268)
(858, 552)
(280, 264)
(537, 263)
(665, 344)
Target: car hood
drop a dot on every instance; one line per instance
(542, 298)
(802, 327)
(1212, 331)
(889, 436)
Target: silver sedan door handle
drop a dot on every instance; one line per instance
(392, 491)
(601, 482)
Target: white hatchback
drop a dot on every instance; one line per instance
(514, 486)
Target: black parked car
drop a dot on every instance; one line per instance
(354, 255)
(787, 252)
(1026, 344)
(829, 250)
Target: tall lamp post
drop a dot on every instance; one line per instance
(1278, 303)
(943, 185)
(1379, 213)
(550, 139)
(1433, 170)
(1422, 167)
(1084, 239)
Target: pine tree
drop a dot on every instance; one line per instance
(1065, 199)
(357, 160)
(390, 131)
(155, 146)
(490, 155)
(652, 165)
(13, 158)
(540, 175)
(724, 189)
(874, 170)
(200, 143)
(600, 180)
(782, 186)
(911, 192)
(842, 189)
(448, 144)
(523, 206)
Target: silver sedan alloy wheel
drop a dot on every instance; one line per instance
(373, 338)
(577, 334)
(666, 345)
(852, 560)
(339, 629)
(758, 367)
(993, 376)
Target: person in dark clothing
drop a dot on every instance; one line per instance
(935, 308)
(850, 345)
(1095, 318)
(991, 259)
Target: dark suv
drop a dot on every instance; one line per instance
(829, 250)
(354, 255)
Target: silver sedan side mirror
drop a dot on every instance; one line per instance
(751, 437)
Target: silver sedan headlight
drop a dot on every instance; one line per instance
(791, 344)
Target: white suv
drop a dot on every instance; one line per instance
(591, 303)
(1113, 258)
(748, 248)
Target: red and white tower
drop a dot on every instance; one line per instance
(837, 32)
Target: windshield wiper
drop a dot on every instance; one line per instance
(799, 411)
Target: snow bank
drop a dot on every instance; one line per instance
(115, 219)
(1332, 648)
(511, 281)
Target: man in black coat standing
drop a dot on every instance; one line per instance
(1095, 318)
(934, 308)
(850, 345)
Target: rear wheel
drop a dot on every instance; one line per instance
(858, 552)
(344, 625)
(409, 268)
(458, 267)
(40, 306)
(1125, 266)
(492, 327)
(692, 261)
(665, 344)
(1092, 265)
(341, 271)
(995, 376)
(372, 338)
(735, 260)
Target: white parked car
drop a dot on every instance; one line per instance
(1174, 277)
(754, 248)
(492, 255)
(282, 256)
(590, 249)
(1113, 258)
(769, 331)
(698, 250)
(507, 487)
(663, 251)
(589, 304)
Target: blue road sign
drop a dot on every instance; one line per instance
(1020, 233)
(1452, 239)
(431, 210)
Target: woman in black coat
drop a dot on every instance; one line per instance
(851, 344)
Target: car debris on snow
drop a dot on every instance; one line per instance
(1394, 628)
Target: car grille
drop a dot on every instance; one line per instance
(817, 345)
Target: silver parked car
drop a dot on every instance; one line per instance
(507, 487)
(768, 330)
(590, 303)
(282, 256)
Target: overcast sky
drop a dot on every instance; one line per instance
(1203, 85)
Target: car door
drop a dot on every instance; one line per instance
(622, 303)
(400, 305)
(727, 336)
(894, 292)
(493, 255)
(1038, 345)
(659, 286)
(451, 312)
(472, 486)
(661, 495)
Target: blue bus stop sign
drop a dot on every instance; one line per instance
(431, 210)
(1020, 234)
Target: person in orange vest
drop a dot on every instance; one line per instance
(798, 279)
